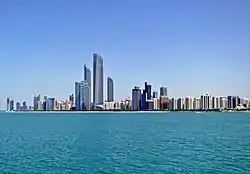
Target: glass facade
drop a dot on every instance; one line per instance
(50, 104)
(82, 96)
(136, 98)
(8, 104)
(110, 90)
(97, 80)
(12, 105)
(163, 91)
(155, 94)
(149, 92)
(87, 77)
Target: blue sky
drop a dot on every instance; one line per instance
(191, 47)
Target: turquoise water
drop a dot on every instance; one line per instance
(125, 143)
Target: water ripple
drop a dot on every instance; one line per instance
(177, 143)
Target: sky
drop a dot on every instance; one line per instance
(191, 47)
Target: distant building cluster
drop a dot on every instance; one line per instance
(79, 101)
(142, 99)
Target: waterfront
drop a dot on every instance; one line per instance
(174, 142)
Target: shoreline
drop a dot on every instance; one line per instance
(110, 112)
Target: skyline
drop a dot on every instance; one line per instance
(192, 49)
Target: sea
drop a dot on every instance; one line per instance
(125, 143)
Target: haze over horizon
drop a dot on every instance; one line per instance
(191, 47)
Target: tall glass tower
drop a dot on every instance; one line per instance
(8, 104)
(110, 90)
(82, 96)
(87, 77)
(97, 80)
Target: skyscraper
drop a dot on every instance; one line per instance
(230, 102)
(50, 104)
(205, 102)
(149, 92)
(35, 106)
(8, 104)
(223, 102)
(18, 106)
(110, 90)
(136, 98)
(25, 107)
(11, 105)
(144, 99)
(71, 98)
(163, 91)
(82, 95)
(87, 77)
(37, 103)
(97, 80)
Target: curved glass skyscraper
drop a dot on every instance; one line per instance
(97, 80)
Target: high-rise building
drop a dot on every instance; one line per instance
(87, 77)
(180, 104)
(149, 96)
(163, 91)
(50, 104)
(196, 103)
(174, 103)
(189, 103)
(97, 80)
(155, 94)
(110, 90)
(25, 107)
(156, 103)
(230, 102)
(11, 105)
(18, 106)
(37, 103)
(148, 91)
(144, 100)
(8, 104)
(205, 102)
(217, 105)
(136, 98)
(82, 96)
(71, 98)
(223, 102)
(164, 103)
(213, 102)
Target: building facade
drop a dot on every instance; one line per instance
(50, 104)
(71, 99)
(37, 103)
(97, 80)
(205, 102)
(12, 105)
(87, 77)
(8, 104)
(155, 94)
(110, 90)
(82, 96)
(163, 91)
(136, 98)
(18, 106)
(223, 102)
